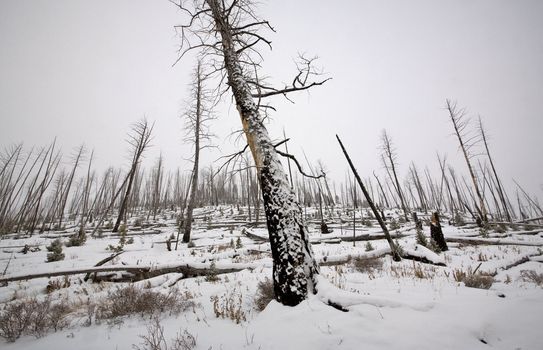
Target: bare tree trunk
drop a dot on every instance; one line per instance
(195, 120)
(157, 186)
(419, 188)
(498, 182)
(66, 192)
(85, 200)
(452, 204)
(294, 266)
(387, 205)
(460, 124)
(390, 155)
(396, 256)
(139, 142)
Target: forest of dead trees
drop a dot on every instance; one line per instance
(43, 189)
(38, 194)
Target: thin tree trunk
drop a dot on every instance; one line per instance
(139, 141)
(393, 247)
(459, 126)
(194, 182)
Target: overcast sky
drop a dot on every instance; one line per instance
(85, 70)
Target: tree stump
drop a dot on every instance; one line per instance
(418, 223)
(324, 228)
(436, 233)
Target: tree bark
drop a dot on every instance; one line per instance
(436, 233)
(294, 267)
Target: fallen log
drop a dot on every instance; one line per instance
(140, 272)
(515, 224)
(253, 236)
(102, 262)
(367, 237)
(410, 254)
(490, 241)
(135, 233)
(528, 220)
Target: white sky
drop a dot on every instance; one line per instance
(85, 70)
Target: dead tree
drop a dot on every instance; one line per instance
(199, 112)
(499, 187)
(66, 191)
(139, 140)
(452, 205)
(35, 198)
(387, 205)
(157, 185)
(418, 186)
(389, 154)
(396, 256)
(460, 124)
(227, 34)
(86, 195)
(7, 187)
(436, 233)
(532, 204)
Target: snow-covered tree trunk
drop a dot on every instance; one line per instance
(294, 267)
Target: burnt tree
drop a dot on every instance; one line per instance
(394, 250)
(467, 142)
(227, 34)
(139, 140)
(196, 116)
(389, 162)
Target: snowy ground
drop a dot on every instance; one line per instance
(408, 305)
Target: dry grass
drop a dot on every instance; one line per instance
(368, 265)
(131, 300)
(459, 275)
(478, 280)
(418, 271)
(229, 305)
(264, 294)
(155, 339)
(532, 276)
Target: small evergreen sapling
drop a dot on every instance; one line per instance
(434, 246)
(55, 249)
(393, 225)
(421, 238)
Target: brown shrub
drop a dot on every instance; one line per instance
(155, 339)
(478, 280)
(532, 276)
(32, 317)
(131, 300)
(368, 265)
(264, 294)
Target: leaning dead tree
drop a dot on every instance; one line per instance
(66, 191)
(227, 35)
(395, 255)
(389, 162)
(460, 124)
(499, 187)
(139, 140)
